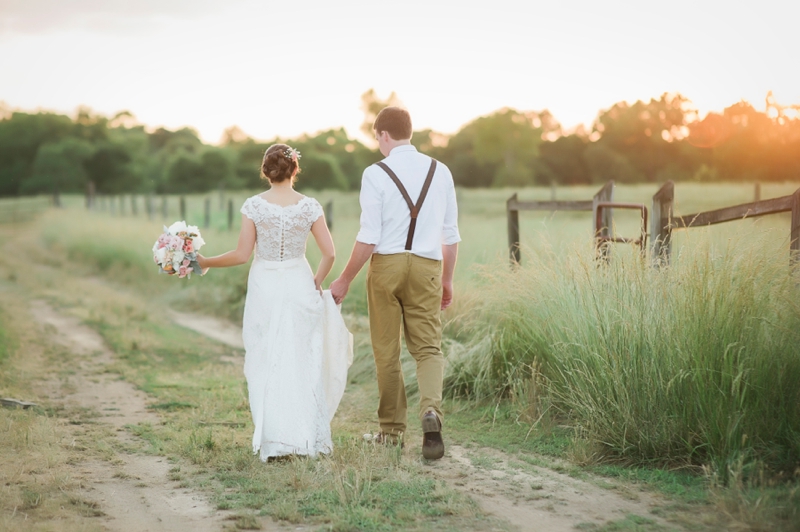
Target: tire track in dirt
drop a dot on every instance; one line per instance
(134, 491)
(530, 498)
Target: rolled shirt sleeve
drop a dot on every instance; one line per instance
(371, 202)
(450, 233)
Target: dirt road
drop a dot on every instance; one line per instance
(134, 492)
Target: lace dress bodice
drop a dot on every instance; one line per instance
(281, 232)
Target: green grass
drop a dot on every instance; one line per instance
(692, 365)
(666, 378)
(5, 340)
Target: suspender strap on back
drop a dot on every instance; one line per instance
(411, 206)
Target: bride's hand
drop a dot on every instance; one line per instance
(201, 261)
(318, 286)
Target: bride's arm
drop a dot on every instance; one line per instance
(240, 255)
(325, 244)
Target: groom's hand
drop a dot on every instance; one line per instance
(339, 289)
(447, 294)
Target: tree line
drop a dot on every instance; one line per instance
(644, 142)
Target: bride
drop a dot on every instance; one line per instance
(297, 347)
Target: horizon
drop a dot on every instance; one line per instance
(358, 135)
(208, 66)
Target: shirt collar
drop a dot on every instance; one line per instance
(404, 147)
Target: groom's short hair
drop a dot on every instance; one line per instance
(395, 121)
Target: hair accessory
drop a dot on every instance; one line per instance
(291, 153)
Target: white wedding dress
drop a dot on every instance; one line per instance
(297, 347)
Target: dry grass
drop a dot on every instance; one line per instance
(37, 448)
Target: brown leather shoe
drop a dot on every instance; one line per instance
(432, 442)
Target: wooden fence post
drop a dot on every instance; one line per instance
(794, 245)
(183, 208)
(112, 205)
(90, 195)
(605, 194)
(661, 225)
(512, 214)
(329, 214)
(230, 214)
(207, 217)
(121, 205)
(134, 205)
(164, 210)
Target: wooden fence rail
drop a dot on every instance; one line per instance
(13, 211)
(664, 221)
(513, 206)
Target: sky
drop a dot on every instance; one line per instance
(281, 69)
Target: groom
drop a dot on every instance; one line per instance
(409, 233)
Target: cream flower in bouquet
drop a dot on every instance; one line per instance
(176, 249)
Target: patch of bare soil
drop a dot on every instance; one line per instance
(134, 491)
(219, 330)
(539, 498)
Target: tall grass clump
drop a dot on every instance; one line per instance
(694, 364)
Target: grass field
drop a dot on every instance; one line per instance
(682, 380)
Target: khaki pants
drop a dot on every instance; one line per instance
(405, 290)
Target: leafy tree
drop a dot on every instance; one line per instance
(59, 167)
(430, 142)
(89, 126)
(331, 159)
(182, 173)
(171, 142)
(321, 171)
(499, 149)
(563, 161)
(216, 168)
(20, 138)
(248, 156)
(108, 168)
(605, 164)
(644, 141)
(642, 133)
(757, 147)
(145, 166)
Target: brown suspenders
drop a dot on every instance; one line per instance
(413, 208)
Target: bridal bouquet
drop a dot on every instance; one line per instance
(176, 249)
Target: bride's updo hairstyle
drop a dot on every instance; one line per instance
(280, 163)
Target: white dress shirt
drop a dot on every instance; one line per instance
(385, 217)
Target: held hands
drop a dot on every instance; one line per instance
(339, 289)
